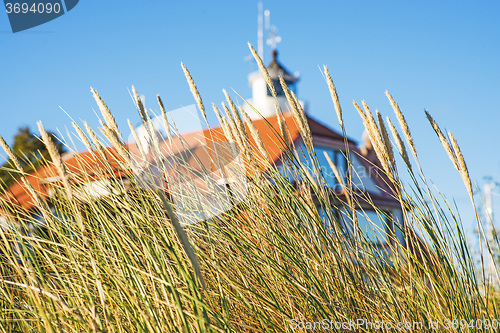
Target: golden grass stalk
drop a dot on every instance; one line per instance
(264, 71)
(255, 134)
(140, 106)
(226, 129)
(38, 200)
(348, 196)
(301, 112)
(61, 170)
(223, 124)
(309, 176)
(233, 128)
(461, 164)
(82, 136)
(245, 138)
(402, 123)
(11, 155)
(106, 113)
(311, 180)
(335, 97)
(148, 124)
(282, 126)
(464, 173)
(53, 297)
(195, 92)
(181, 234)
(386, 140)
(375, 137)
(371, 119)
(100, 289)
(95, 140)
(137, 141)
(56, 159)
(443, 140)
(361, 113)
(108, 133)
(173, 217)
(291, 100)
(237, 127)
(334, 169)
(307, 136)
(218, 115)
(164, 117)
(296, 110)
(399, 143)
(237, 119)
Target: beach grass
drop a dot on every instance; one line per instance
(125, 262)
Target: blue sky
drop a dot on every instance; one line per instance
(436, 55)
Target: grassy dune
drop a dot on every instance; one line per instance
(124, 262)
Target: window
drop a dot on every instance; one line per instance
(279, 88)
(362, 177)
(326, 170)
(337, 158)
(397, 215)
(374, 225)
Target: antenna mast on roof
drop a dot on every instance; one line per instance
(260, 32)
(490, 229)
(273, 39)
(264, 24)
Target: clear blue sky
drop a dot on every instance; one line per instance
(439, 55)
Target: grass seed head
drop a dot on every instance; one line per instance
(56, 159)
(106, 113)
(335, 97)
(444, 142)
(264, 71)
(402, 123)
(140, 107)
(385, 139)
(461, 164)
(195, 92)
(164, 118)
(255, 134)
(399, 143)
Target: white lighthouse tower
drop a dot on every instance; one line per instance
(262, 103)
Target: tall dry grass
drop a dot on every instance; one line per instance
(124, 262)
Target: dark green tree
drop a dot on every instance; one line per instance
(31, 153)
